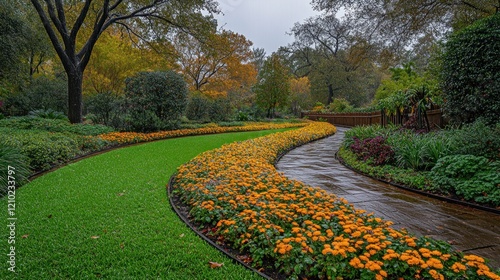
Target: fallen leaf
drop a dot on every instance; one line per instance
(95, 237)
(25, 236)
(122, 245)
(245, 258)
(215, 265)
(181, 236)
(120, 194)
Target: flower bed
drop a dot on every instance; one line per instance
(135, 137)
(305, 232)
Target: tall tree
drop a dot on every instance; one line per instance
(334, 57)
(259, 56)
(11, 38)
(217, 65)
(117, 56)
(24, 46)
(300, 95)
(397, 24)
(273, 86)
(63, 21)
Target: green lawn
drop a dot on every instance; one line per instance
(108, 216)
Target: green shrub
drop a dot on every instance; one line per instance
(48, 114)
(340, 105)
(198, 108)
(53, 125)
(155, 101)
(410, 150)
(474, 178)
(365, 132)
(44, 149)
(191, 125)
(387, 172)
(476, 139)
(250, 113)
(234, 123)
(437, 147)
(204, 109)
(470, 73)
(19, 165)
(105, 108)
(41, 93)
(220, 110)
(242, 116)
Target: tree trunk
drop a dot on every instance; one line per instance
(330, 94)
(75, 97)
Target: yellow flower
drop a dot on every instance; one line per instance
(458, 267)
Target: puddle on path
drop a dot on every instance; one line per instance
(469, 230)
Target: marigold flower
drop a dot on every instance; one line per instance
(458, 267)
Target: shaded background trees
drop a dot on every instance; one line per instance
(273, 85)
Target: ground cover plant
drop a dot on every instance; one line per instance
(458, 162)
(304, 232)
(108, 217)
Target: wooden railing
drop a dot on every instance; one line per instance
(435, 118)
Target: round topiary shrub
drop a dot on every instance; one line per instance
(471, 73)
(155, 101)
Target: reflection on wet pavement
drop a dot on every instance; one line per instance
(469, 230)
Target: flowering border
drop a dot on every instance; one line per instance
(119, 138)
(240, 198)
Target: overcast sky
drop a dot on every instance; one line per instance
(264, 22)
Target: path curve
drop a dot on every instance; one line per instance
(470, 230)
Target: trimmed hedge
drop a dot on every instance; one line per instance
(471, 73)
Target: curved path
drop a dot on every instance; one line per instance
(469, 230)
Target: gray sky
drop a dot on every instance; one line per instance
(264, 22)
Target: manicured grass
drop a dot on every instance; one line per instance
(108, 216)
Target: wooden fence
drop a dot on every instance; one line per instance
(435, 118)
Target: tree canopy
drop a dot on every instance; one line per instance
(217, 65)
(63, 21)
(273, 85)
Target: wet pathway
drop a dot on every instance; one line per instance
(469, 230)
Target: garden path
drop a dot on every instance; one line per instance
(470, 230)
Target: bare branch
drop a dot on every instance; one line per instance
(80, 19)
(50, 31)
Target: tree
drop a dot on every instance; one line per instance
(23, 46)
(259, 56)
(155, 100)
(217, 65)
(397, 24)
(300, 95)
(337, 61)
(273, 86)
(115, 57)
(63, 22)
(471, 73)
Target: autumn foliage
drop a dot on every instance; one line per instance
(304, 231)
